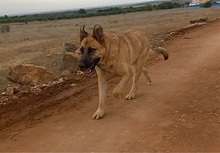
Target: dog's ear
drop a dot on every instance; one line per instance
(83, 33)
(98, 34)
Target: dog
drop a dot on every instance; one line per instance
(112, 54)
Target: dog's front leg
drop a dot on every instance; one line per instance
(102, 85)
(117, 92)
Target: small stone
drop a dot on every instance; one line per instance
(65, 73)
(45, 85)
(15, 97)
(61, 80)
(73, 85)
(55, 82)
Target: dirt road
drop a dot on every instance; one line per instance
(179, 111)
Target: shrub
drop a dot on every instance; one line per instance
(168, 5)
(5, 28)
(82, 11)
(207, 4)
(149, 8)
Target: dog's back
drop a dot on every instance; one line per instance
(130, 44)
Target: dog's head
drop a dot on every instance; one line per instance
(91, 48)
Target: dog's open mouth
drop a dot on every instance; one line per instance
(92, 67)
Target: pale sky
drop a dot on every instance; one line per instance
(12, 7)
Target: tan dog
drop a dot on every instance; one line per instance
(114, 54)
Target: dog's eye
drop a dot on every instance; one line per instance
(91, 50)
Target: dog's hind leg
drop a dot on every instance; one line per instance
(102, 85)
(137, 68)
(132, 93)
(117, 92)
(146, 74)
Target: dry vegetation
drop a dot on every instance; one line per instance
(41, 43)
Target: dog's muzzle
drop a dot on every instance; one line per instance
(88, 68)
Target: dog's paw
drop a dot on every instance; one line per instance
(149, 82)
(98, 114)
(130, 96)
(116, 93)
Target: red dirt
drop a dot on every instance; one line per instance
(179, 111)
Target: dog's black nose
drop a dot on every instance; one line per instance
(81, 64)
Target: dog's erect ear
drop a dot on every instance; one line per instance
(98, 34)
(83, 33)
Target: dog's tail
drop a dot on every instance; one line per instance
(160, 50)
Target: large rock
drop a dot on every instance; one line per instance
(11, 90)
(70, 58)
(30, 74)
(69, 47)
(200, 20)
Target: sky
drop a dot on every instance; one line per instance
(14, 7)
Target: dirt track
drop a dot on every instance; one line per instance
(179, 111)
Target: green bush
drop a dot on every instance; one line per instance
(149, 8)
(81, 13)
(207, 4)
(168, 5)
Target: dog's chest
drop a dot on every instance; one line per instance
(111, 68)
